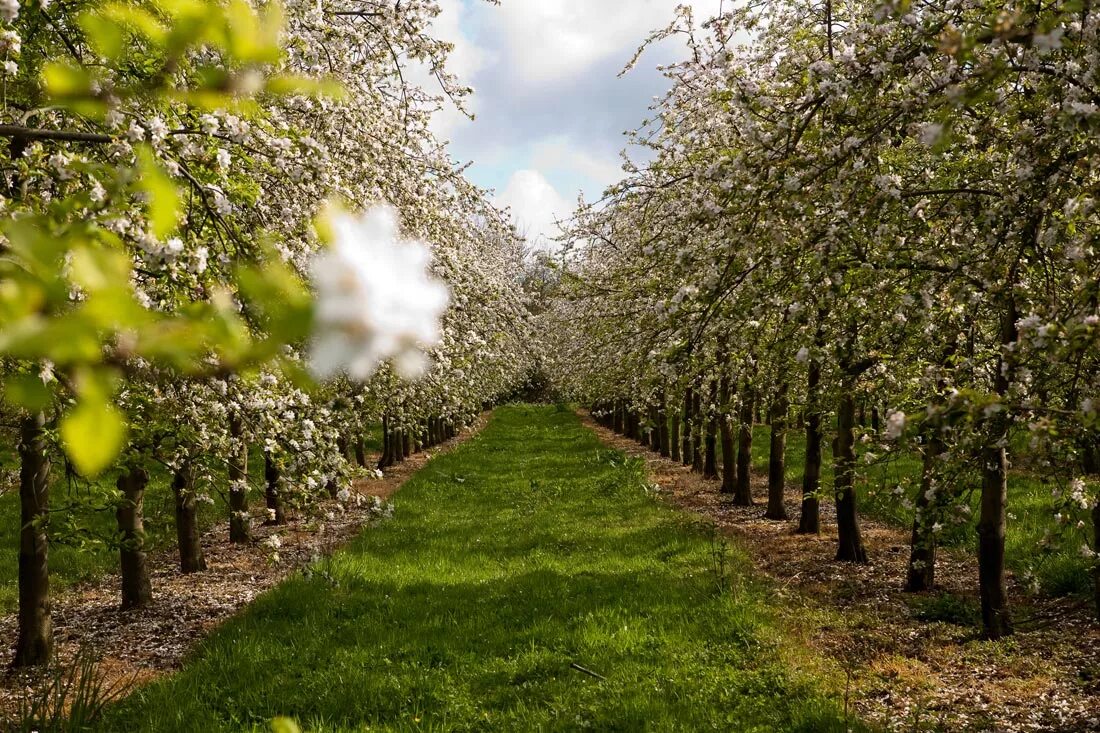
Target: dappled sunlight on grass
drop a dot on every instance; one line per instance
(527, 551)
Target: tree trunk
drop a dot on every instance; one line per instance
(849, 540)
(697, 431)
(729, 449)
(34, 645)
(921, 575)
(1091, 463)
(386, 459)
(655, 429)
(276, 513)
(360, 452)
(742, 492)
(809, 521)
(777, 458)
(674, 435)
(240, 524)
(662, 426)
(710, 456)
(991, 543)
(1096, 561)
(991, 519)
(137, 590)
(187, 521)
(688, 447)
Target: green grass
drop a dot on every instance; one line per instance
(1059, 571)
(528, 549)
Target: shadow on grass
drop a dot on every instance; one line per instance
(510, 560)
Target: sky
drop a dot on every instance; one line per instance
(551, 110)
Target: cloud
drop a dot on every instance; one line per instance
(466, 61)
(535, 206)
(551, 109)
(555, 39)
(560, 153)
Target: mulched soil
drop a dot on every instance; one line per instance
(137, 646)
(903, 673)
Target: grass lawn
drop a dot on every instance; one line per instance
(527, 550)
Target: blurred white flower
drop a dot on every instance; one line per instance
(375, 299)
(9, 10)
(895, 425)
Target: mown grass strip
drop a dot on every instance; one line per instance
(520, 557)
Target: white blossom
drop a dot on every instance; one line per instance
(895, 425)
(374, 298)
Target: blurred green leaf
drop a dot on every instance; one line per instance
(164, 197)
(93, 434)
(29, 391)
(284, 725)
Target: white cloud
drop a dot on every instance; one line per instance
(465, 61)
(558, 39)
(561, 153)
(535, 206)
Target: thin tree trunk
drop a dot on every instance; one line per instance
(276, 513)
(360, 452)
(710, 456)
(742, 493)
(994, 499)
(662, 426)
(674, 435)
(240, 529)
(777, 457)
(137, 590)
(386, 460)
(849, 539)
(697, 431)
(921, 575)
(729, 449)
(809, 521)
(187, 520)
(34, 644)
(655, 429)
(688, 444)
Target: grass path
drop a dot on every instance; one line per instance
(527, 550)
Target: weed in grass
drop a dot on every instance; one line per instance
(946, 607)
(65, 697)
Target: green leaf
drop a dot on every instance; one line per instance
(106, 36)
(93, 435)
(284, 725)
(29, 391)
(66, 80)
(164, 197)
